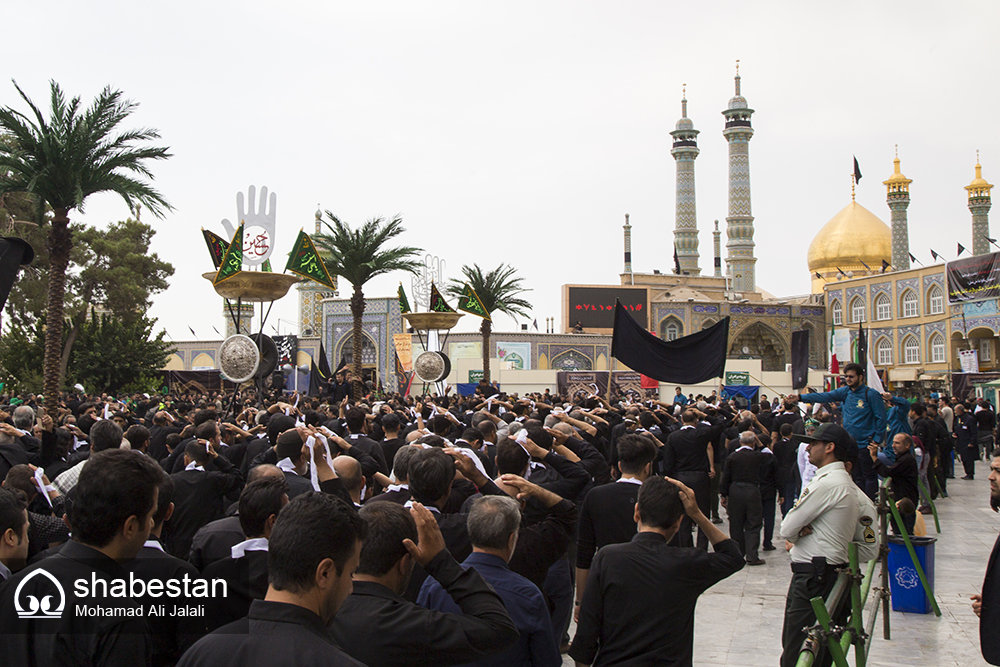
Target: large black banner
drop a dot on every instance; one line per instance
(692, 359)
(288, 347)
(973, 278)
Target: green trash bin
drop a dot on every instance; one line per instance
(904, 583)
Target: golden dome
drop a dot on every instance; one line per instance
(853, 236)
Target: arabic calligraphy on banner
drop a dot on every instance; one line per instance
(974, 278)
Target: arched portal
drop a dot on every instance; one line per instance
(758, 341)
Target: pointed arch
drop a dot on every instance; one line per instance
(883, 351)
(935, 300)
(837, 312)
(909, 303)
(759, 341)
(671, 328)
(883, 307)
(938, 349)
(858, 313)
(911, 349)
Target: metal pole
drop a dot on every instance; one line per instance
(857, 606)
(883, 556)
(823, 616)
(923, 490)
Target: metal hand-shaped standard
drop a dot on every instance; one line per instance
(258, 230)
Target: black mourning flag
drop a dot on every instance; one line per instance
(914, 259)
(857, 171)
(314, 379)
(886, 265)
(687, 360)
(935, 255)
(324, 364)
(818, 276)
(800, 358)
(677, 261)
(961, 249)
(862, 347)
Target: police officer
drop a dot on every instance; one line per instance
(817, 531)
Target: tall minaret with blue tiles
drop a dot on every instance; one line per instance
(685, 150)
(739, 223)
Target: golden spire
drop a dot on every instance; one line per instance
(978, 187)
(684, 101)
(852, 186)
(897, 183)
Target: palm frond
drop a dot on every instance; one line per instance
(499, 289)
(358, 255)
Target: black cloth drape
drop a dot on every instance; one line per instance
(800, 358)
(687, 360)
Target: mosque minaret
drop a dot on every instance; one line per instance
(739, 231)
(898, 198)
(685, 151)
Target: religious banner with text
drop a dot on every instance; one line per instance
(973, 278)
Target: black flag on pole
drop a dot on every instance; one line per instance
(818, 276)
(862, 347)
(800, 358)
(686, 360)
(677, 261)
(915, 260)
(934, 255)
(886, 265)
(961, 249)
(857, 171)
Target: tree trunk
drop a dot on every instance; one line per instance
(485, 329)
(67, 350)
(357, 312)
(60, 243)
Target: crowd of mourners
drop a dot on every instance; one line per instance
(390, 530)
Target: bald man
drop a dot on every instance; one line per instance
(349, 471)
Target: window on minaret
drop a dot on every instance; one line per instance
(911, 351)
(857, 310)
(909, 304)
(838, 313)
(883, 307)
(884, 352)
(935, 301)
(937, 349)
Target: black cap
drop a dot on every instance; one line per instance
(846, 448)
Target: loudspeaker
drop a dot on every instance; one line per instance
(278, 381)
(14, 253)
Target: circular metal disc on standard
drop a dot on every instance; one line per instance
(239, 358)
(432, 366)
(268, 354)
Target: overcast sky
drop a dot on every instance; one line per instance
(523, 132)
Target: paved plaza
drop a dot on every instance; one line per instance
(738, 622)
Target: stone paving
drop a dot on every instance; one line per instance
(738, 622)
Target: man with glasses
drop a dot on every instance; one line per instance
(817, 531)
(864, 418)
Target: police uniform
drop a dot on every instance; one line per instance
(866, 536)
(830, 506)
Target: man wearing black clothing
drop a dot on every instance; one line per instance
(391, 425)
(245, 569)
(171, 635)
(945, 445)
(199, 490)
(904, 473)
(158, 433)
(354, 419)
(312, 554)
(623, 618)
(606, 512)
(987, 604)
(689, 457)
(785, 456)
(114, 502)
(740, 491)
(966, 440)
(378, 627)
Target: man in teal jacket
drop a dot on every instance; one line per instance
(864, 418)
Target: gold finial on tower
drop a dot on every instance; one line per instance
(737, 67)
(897, 151)
(852, 186)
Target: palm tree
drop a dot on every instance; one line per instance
(61, 161)
(499, 291)
(357, 256)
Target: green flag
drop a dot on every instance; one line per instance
(306, 262)
(217, 246)
(232, 262)
(438, 304)
(404, 305)
(471, 303)
(266, 266)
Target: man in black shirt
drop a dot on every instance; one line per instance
(199, 489)
(689, 456)
(112, 514)
(904, 474)
(377, 626)
(740, 490)
(606, 512)
(312, 555)
(640, 599)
